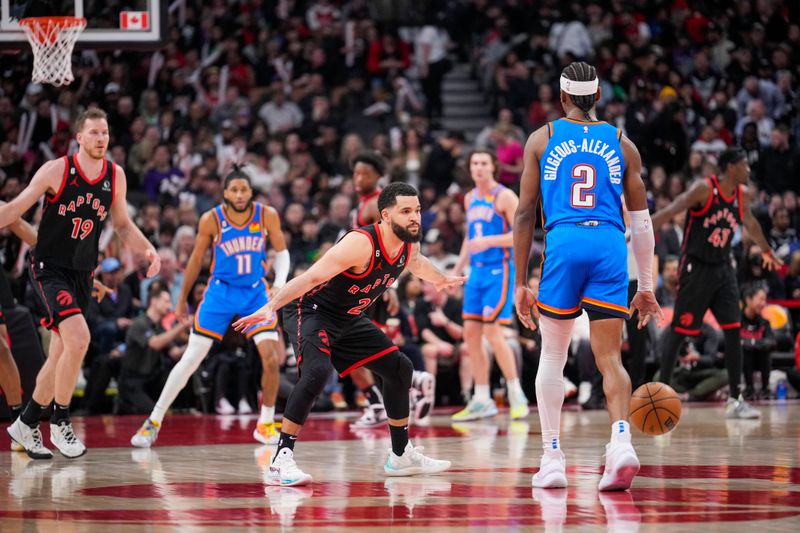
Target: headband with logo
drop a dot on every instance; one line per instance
(579, 88)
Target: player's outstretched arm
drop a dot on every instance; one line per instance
(770, 260)
(206, 233)
(126, 229)
(49, 177)
(463, 255)
(276, 239)
(22, 229)
(420, 266)
(354, 250)
(697, 195)
(524, 223)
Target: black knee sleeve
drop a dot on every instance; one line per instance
(396, 371)
(314, 373)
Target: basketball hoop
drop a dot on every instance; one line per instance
(52, 40)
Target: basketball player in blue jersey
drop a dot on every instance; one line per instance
(488, 293)
(236, 229)
(578, 168)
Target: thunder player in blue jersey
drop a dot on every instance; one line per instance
(237, 230)
(487, 307)
(578, 168)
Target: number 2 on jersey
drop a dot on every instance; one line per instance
(579, 196)
(81, 228)
(244, 264)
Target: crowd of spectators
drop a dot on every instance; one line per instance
(296, 88)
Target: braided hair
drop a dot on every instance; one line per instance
(581, 71)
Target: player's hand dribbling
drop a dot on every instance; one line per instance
(525, 303)
(262, 315)
(155, 262)
(770, 261)
(645, 302)
(448, 282)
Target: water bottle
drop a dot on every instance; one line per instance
(780, 390)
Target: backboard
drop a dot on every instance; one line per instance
(110, 24)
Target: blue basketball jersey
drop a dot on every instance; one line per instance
(483, 220)
(581, 174)
(240, 251)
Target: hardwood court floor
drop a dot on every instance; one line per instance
(205, 473)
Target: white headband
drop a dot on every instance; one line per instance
(579, 88)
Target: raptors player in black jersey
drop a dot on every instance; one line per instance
(716, 207)
(80, 192)
(324, 317)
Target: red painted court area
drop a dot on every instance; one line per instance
(205, 472)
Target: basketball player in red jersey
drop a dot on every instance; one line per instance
(326, 324)
(9, 373)
(716, 206)
(80, 192)
(368, 167)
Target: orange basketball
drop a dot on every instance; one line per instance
(655, 408)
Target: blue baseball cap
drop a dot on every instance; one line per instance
(110, 264)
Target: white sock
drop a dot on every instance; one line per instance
(620, 431)
(515, 394)
(481, 393)
(556, 336)
(196, 351)
(267, 415)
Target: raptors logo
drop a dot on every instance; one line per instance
(64, 298)
(686, 319)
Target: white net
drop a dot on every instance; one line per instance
(52, 40)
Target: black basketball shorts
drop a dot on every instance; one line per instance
(347, 343)
(60, 292)
(704, 286)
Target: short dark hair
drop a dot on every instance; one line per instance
(237, 174)
(372, 159)
(751, 290)
(730, 156)
(90, 113)
(155, 290)
(388, 196)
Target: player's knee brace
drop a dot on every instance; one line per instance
(314, 373)
(396, 371)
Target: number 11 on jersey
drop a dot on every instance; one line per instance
(244, 264)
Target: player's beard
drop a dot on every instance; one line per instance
(404, 235)
(245, 209)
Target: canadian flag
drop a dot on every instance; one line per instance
(134, 20)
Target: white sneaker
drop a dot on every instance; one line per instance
(30, 439)
(284, 471)
(740, 410)
(15, 447)
(422, 395)
(412, 462)
(146, 436)
(570, 389)
(374, 416)
(622, 465)
(476, 410)
(224, 407)
(63, 438)
(552, 472)
(584, 392)
(244, 407)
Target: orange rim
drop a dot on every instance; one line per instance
(41, 27)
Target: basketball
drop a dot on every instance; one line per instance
(655, 409)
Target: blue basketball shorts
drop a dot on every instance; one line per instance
(489, 293)
(223, 302)
(584, 267)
